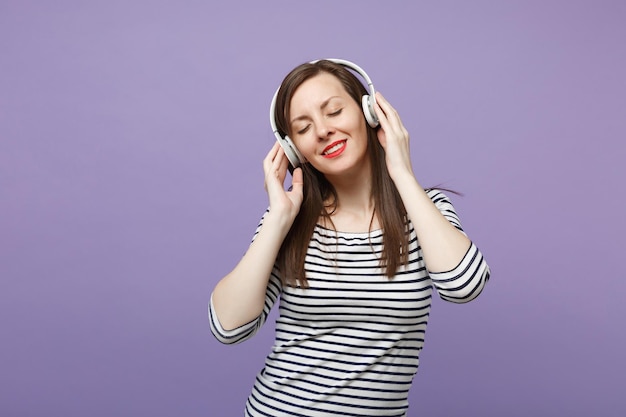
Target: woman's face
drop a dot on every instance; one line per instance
(327, 126)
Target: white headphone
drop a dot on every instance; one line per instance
(367, 102)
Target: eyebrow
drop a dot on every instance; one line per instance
(322, 107)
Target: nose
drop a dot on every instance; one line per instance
(324, 129)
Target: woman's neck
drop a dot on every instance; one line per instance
(354, 208)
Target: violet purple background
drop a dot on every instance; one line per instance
(131, 140)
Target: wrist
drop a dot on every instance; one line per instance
(404, 178)
(277, 220)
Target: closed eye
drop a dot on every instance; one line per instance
(335, 113)
(303, 130)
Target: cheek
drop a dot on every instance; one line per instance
(358, 122)
(360, 126)
(304, 146)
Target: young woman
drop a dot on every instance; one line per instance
(353, 251)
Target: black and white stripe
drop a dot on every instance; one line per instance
(349, 345)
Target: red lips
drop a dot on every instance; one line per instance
(334, 149)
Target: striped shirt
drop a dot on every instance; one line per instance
(349, 345)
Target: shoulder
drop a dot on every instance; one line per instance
(437, 195)
(441, 200)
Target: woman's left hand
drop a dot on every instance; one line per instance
(393, 137)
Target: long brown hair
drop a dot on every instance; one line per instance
(317, 189)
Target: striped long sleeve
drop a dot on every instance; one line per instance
(248, 330)
(466, 281)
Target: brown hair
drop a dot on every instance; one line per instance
(387, 203)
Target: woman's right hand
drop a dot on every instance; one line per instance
(285, 204)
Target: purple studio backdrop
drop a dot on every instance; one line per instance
(131, 141)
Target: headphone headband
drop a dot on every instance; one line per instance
(355, 68)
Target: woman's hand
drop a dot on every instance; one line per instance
(285, 204)
(394, 138)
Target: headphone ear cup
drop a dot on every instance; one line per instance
(368, 110)
(292, 153)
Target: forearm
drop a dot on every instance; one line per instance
(443, 245)
(239, 297)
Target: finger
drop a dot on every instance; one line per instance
(273, 150)
(385, 105)
(383, 118)
(298, 177)
(297, 184)
(276, 173)
(271, 155)
(271, 166)
(274, 158)
(391, 116)
(281, 163)
(390, 112)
